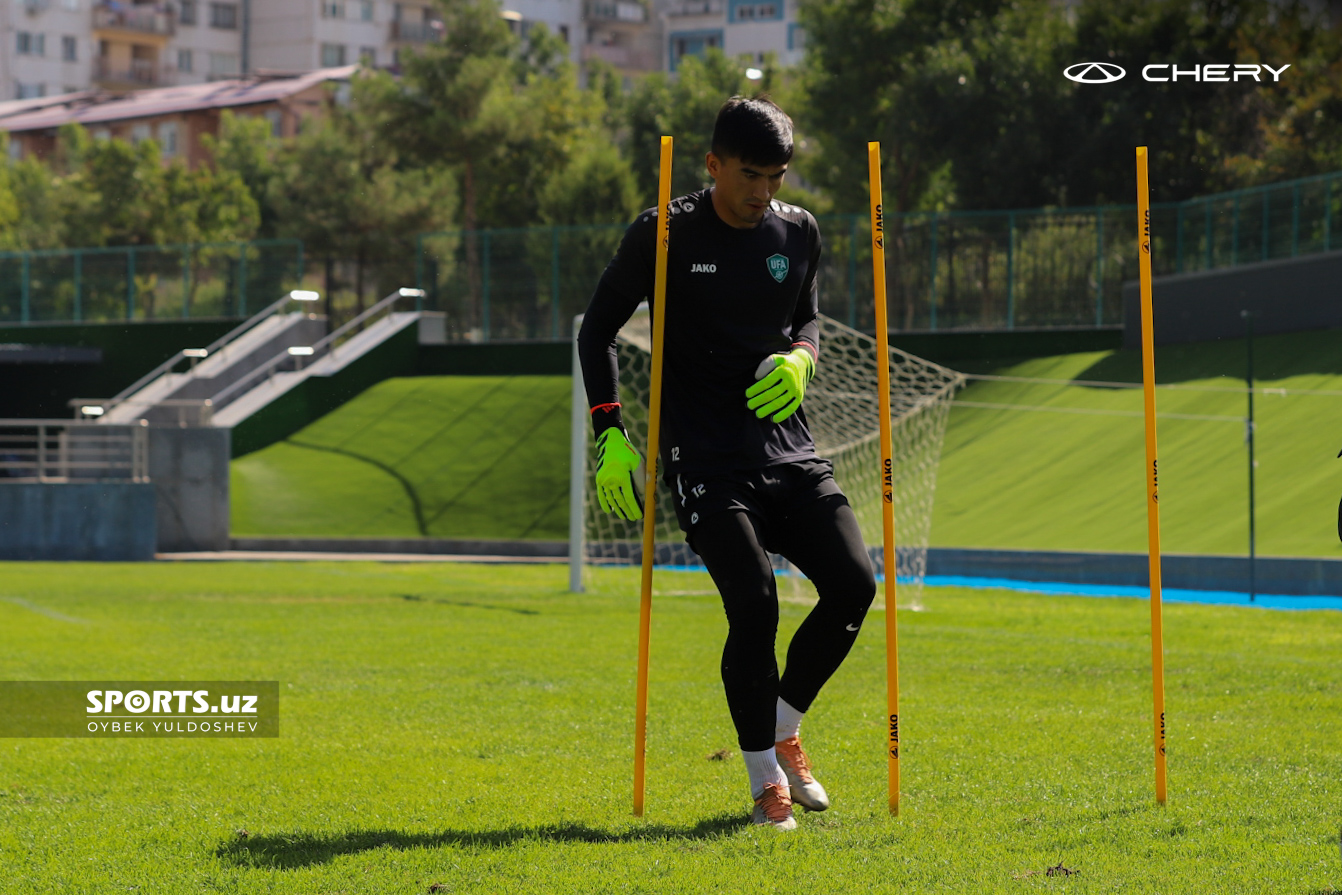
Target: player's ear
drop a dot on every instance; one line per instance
(713, 163)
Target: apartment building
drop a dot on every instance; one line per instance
(176, 117)
(49, 47)
(749, 28)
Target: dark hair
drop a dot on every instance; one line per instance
(753, 130)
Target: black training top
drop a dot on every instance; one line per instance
(734, 297)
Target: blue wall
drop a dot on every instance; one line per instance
(94, 521)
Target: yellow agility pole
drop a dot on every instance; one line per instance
(887, 470)
(650, 481)
(1152, 492)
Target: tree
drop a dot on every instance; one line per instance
(958, 93)
(343, 187)
(685, 108)
(246, 147)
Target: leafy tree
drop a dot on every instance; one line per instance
(964, 86)
(342, 188)
(246, 147)
(686, 109)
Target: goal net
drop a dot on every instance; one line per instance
(842, 413)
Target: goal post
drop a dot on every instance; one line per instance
(842, 412)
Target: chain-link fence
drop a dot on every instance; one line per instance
(947, 270)
(147, 282)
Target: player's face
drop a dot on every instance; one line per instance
(743, 191)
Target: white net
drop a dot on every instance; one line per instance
(842, 412)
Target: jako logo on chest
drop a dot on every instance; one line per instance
(703, 268)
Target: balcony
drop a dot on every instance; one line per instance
(133, 74)
(696, 8)
(628, 58)
(615, 11)
(416, 32)
(157, 20)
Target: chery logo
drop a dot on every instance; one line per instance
(1094, 72)
(1160, 72)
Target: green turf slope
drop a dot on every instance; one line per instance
(1075, 481)
(431, 456)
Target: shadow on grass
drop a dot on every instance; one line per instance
(415, 598)
(291, 850)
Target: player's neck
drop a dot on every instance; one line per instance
(725, 214)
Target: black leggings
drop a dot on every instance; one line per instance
(823, 540)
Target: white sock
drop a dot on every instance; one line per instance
(789, 721)
(763, 768)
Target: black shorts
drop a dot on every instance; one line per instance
(771, 494)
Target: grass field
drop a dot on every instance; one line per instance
(431, 456)
(469, 727)
(1029, 479)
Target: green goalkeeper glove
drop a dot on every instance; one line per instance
(617, 464)
(782, 384)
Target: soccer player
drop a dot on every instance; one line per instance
(741, 344)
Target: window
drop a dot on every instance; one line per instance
(366, 10)
(185, 61)
(139, 133)
(69, 49)
(368, 56)
(167, 138)
(102, 133)
(31, 91)
(333, 55)
(29, 44)
(223, 65)
(333, 9)
(224, 15)
(15, 149)
(755, 11)
(563, 33)
(187, 13)
(693, 43)
(796, 36)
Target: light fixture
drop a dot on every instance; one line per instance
(304, 295)
(92, 410)
(300, 351)
(754, 74)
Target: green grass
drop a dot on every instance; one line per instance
(432, 456)
(1040, 480)
(470, 726)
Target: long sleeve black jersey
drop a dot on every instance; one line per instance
(734, 297)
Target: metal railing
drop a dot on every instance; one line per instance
(1052, 267)
(146, 19)
(96, 407)
(417, 32)
(140, 72)
(72, 451)
(296, 358)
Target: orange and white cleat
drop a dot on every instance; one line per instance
(806, 790)
(774, 808)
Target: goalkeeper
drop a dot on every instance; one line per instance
(741, 344)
